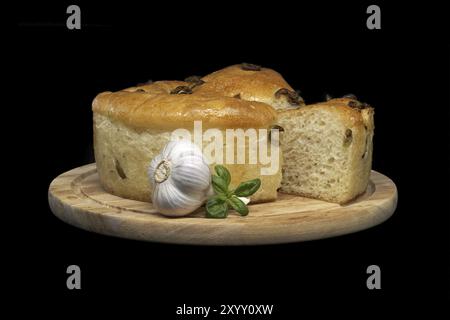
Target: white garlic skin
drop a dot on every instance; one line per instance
(245, 200)
(181, 179)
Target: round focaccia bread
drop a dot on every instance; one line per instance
(132, 126)
(326, 148)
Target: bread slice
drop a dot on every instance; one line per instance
(327, 149)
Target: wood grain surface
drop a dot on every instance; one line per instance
(77, 198)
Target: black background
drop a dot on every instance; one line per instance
(402, 70)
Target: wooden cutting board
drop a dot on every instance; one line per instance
(77, 198)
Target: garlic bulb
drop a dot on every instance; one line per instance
(180, 177)
(245, 200)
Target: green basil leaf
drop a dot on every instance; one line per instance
(219, 185)
(216, 208)
(238, 205)
(222, 197)
(247, 188)
(223, 173)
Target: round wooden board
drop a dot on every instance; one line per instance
(77, 198)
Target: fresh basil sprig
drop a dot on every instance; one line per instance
(218, 205)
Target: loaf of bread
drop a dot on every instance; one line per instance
(327, 149)
(132, 126)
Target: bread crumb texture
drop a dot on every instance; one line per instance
(123, 155)
(327, 151)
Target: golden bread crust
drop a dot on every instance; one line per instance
(153, 106)
(253, 85)
(351, 116)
